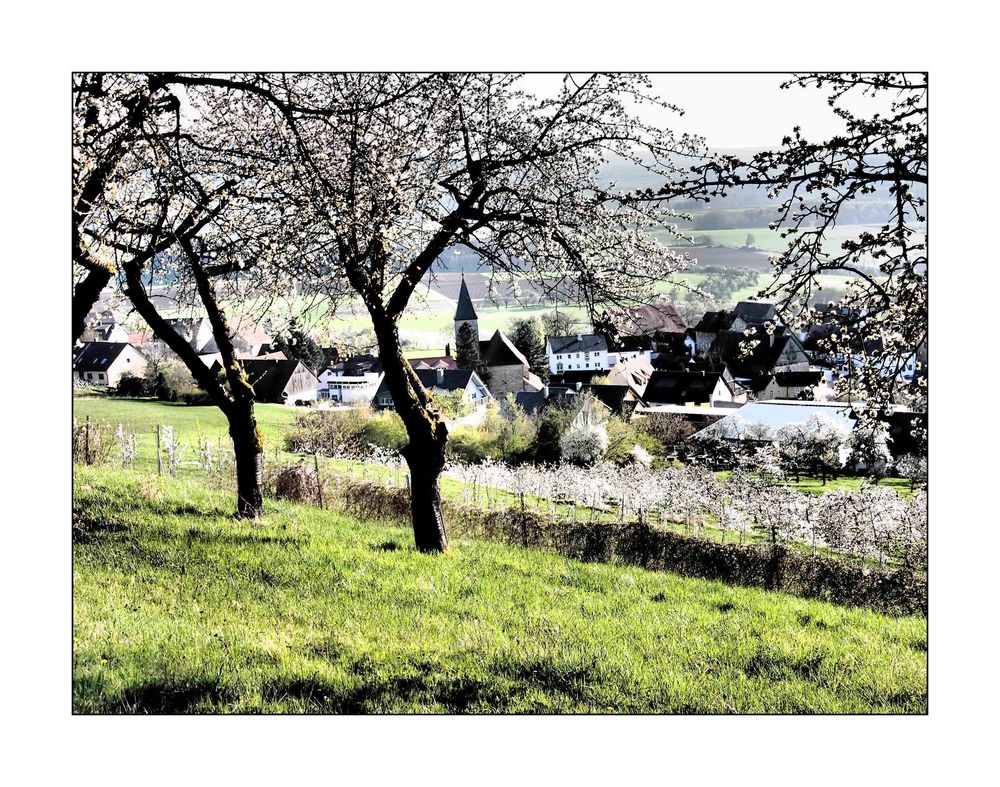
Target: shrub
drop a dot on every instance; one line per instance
(668, 429)
(550, 425)
(624, 437)
(346, 432)
(92, 442)
(298, 483)
(585, 444)
(195, 397)
(167, 379)
(131, 385)
(471, 445)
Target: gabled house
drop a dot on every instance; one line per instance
(748, 314)
(655, 327)
(474, 391)
(634, 372)
(509, 370)
(621, 400)
(280, 381)
(248, 336)
(791, 385)
(581, 352)
(196, 331)
(692, 387)
(103, 363)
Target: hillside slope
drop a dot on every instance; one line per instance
(177, 608)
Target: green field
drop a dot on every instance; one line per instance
(178, 608)
(764, 239)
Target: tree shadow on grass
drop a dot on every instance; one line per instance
(168, 697)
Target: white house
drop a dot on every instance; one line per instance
(474, 390)
(103, 363)
(337, 386)
(582, 351)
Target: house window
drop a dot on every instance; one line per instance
(90, 375)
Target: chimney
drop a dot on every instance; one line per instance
(440, 376)
(579, 385)
(447, 350)
(579, 337)
(545, 392)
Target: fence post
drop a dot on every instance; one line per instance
(159, 455)
(86, 442)
(319, 484)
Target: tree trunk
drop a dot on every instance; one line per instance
(85, 295)
(426, 461)
(249, 465)
(428, 435)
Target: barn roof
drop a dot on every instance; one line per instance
(651, 319)
(270, 377)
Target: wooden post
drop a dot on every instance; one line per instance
(319, 484)
(159, 456)
(86, 442)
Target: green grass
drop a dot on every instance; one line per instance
(188, 421)
(178, 608)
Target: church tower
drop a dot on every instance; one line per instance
(465, 313)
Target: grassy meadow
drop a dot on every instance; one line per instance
(179, 608)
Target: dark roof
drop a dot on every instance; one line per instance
(533, 401)
(612, 396)
(358, 366)
(465, 310)
(269, 378)
(680, 387)
(583, 376)
(451, 379)
(749, 356)
(649, 320)
(579, 343)
(713, 322)
(754, 312)
(788, 379)
(500, 351)
(97, 356)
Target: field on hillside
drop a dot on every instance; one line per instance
(208, 422)
(178, 608)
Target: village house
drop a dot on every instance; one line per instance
(703, 387)
(579, 352)
(103, 363)
(509, 370)
(280, 381)
(352, 381)
(656, 328)
(792, 385)
(474, 390)
(104, 327)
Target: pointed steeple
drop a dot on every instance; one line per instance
(465, 310)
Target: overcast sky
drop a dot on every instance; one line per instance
(735, 110)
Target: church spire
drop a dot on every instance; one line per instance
(465, 310)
